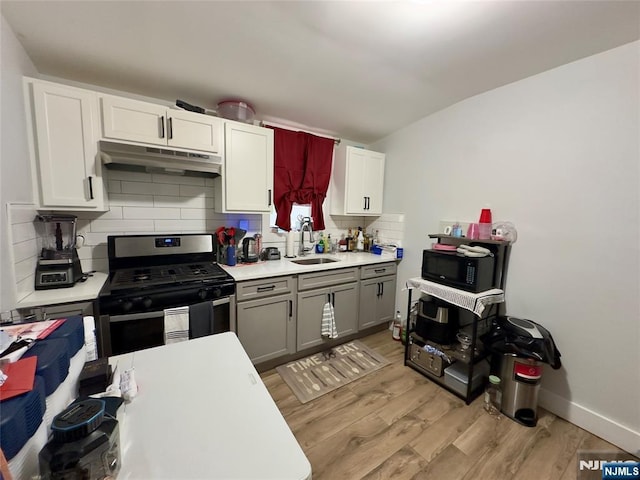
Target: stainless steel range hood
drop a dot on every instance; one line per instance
(122, 156)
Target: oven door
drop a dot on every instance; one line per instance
(118, 334)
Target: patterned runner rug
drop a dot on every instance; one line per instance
(313, 376)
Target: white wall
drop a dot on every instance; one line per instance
(15, 173)
(557, 154)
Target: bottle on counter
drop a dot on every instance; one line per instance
(342, 244)
(360, 240)
(320, 244)
(349, 241)
(493, 396)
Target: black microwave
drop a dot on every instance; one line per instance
(473, 274)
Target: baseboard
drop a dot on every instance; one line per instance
(621, 436)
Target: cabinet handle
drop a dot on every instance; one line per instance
(333, 299)
(290, 308)
(381, 289)
(161, 126)
(328, 298)
(91, 188)
(266, 289)
(365, 203)
(170, 128)
(378, 292)
(269, 197)
(380, 270)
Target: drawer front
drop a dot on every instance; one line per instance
(265, 287)
(327, 278)
(375, 271)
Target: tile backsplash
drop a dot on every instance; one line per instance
(147, 203)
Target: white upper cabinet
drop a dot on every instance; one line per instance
(246, 184)
(357, 182)
(64, 134)
(135, 121)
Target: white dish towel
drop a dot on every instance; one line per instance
(176, 325)
(329, 329)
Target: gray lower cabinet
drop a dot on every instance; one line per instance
(266, 321)
(377, 301)
(377, 294)
(341, 289)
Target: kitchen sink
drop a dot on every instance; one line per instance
(314, 261)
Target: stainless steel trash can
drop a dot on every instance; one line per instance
(520, 380)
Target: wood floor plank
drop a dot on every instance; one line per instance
(446, 429)
(405, 464)
(362, 447)
(396, 424)
(408, 401)
(451, 463)
(551, 452)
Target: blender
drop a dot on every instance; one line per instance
(58, 265)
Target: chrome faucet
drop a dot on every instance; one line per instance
(306, 225)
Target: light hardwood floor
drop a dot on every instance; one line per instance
(396, 424)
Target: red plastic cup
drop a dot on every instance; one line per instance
(485, 216)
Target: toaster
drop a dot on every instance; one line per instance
(271, 253)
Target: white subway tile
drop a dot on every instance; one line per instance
(25, 268)
(25, 250)
(97, 264)
(92, 251)
(183, 202)
(130, 200)
(25, 287)
(95, 238)
(150, 213)
(119, 226)
(180, 226)
(198, 213)
(150, 188)
(177, 179)
(21, 213)
(192, 191)
(114, 186)
(21, 232)
(128, 176)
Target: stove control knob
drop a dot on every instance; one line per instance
(217, 293)
(202, 294)
(126, 305)
(146, 302)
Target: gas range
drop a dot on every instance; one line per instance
(151, 272)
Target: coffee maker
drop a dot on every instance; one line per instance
(58, 265)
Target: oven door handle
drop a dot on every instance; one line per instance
(221, 301)
(135, 316)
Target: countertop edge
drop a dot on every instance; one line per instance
(88, 290)
(284, 266)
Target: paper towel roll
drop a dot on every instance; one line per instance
(290, 250)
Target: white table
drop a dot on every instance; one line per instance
(202, 411)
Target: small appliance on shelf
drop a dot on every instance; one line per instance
(59, 264)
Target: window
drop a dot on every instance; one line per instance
(296, 211)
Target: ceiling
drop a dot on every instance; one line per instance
(352, 69)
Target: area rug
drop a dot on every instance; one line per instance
(318, 374)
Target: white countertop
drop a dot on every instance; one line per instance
(284, 266)
(81, 291)
(202, 411)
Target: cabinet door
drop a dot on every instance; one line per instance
(377, 301)
(310, 308)
(125, 119)
(345, 306)
(266, 327)
(356, 172)
(373, 182)
(369, 296)
(248, 172)
(194, 131)
(66, 146)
